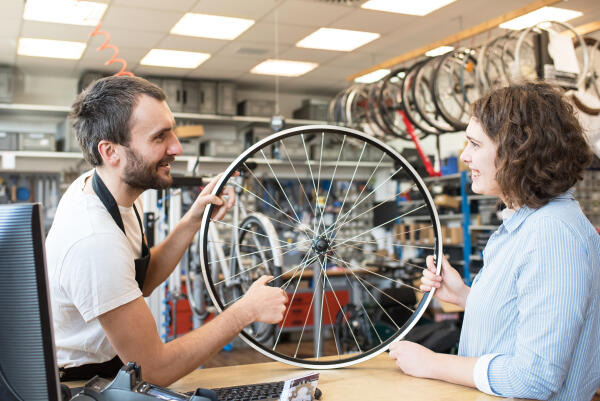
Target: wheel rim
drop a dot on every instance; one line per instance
(333, 232)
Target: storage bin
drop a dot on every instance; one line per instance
(226, 98)
(8, 140)
(312, 110)
(255, 107)
(35, 141)
(221, 148)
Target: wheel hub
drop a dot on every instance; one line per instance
(321, 244)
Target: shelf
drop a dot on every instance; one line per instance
(56, 162)
(243, 120)
(427, 218)
(27, 109)
(63, 111)
(481, 197)
(484, 227)
(455, 176)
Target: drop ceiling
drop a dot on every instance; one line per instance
(136, 26)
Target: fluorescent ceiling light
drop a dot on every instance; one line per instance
(438, 51)
(50, 48)
(540, 15)
(337, 39)
(64, 11)
(372, 76)
(411, 7)
(211, 26)
(174, 58)
(284, 68)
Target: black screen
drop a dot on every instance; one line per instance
(27, 358)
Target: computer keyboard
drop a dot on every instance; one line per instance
(251, 392)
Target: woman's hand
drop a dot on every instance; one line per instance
(450, 285)
(413, 359)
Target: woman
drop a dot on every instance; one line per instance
(532, 316)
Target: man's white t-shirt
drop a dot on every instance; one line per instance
(91, 271)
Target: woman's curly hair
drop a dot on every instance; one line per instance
(542, 151)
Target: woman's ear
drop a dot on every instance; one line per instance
(109, 153)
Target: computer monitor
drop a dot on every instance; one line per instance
(27, 355)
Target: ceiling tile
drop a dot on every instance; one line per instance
(239, 64)
(11, 9)
(254, 9)
(372, 21)
(160, 71)
(252, 50)
(172, 5)
(46, 65)
(9, 28)
(188, 43)
(48, 30)
(132, 54)
(264, 32)
(8, 50)
(140, 19)
(127, 38)
(202, 73)
(308, 13)
(312, 55)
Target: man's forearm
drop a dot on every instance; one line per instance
(166, 255)
(181, 356)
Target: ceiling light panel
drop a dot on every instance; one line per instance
(337, 39)
(410, 7)
(64, 11)
(174, 58)
(50, 48)
(211, 26)
(438, 51)
(540, 15)
(372, 76)
(284, 68)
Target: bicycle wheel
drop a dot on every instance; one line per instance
(329, 234)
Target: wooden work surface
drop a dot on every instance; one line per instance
(375, 379)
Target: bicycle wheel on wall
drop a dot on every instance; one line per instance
(323, 188)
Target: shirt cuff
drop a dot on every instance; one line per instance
(480, 373)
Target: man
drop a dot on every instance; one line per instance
(99, 264)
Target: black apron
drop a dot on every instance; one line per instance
(110, 368)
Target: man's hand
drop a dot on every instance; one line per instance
(223, 202)
(412, 358)
(262, 303)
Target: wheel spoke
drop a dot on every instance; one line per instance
(263, 200)
(280, 186)
(347, 191)
(297, 177)
(341, 308)
(381, 225)
(332, 181)
(291, 301)
(355, 267)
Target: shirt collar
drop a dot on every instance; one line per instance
(521, 215)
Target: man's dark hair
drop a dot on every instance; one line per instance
(542, 151)
(103, 112)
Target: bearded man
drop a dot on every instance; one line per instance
(99, 263)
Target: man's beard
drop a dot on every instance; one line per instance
(144, 176)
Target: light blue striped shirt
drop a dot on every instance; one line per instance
(536, 304)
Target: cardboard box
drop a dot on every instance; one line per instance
(189, 131)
